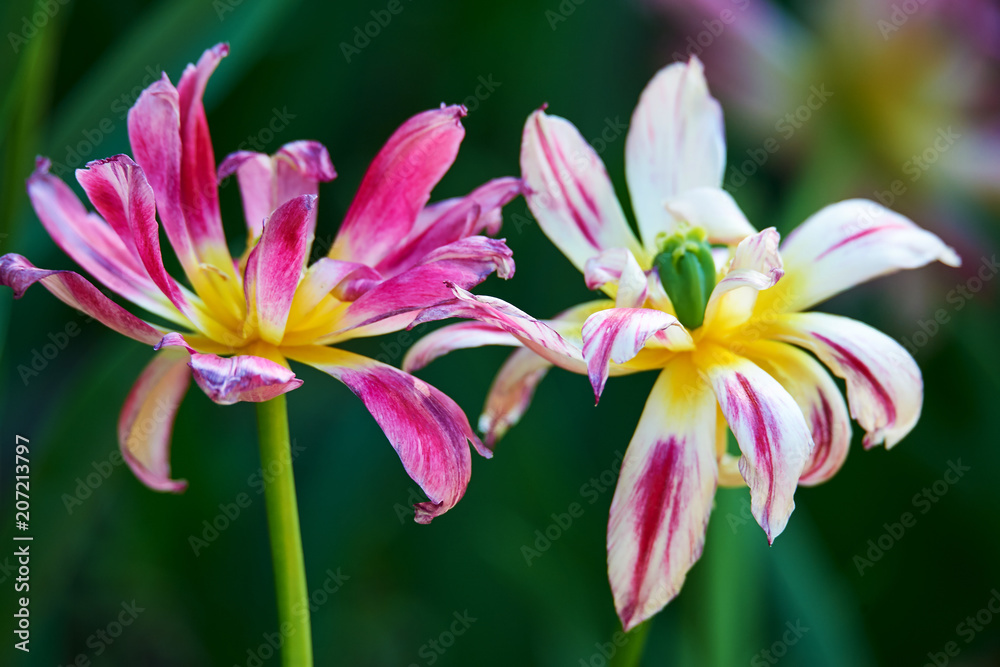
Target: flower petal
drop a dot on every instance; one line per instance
(756, 266)
(848, 243)
(884, 387)
(452, 220)
(675, 143)
(770, 429)
(819, 398)
(93, 244)
(398, 184)
(147, 420)
(664, 495)
(461, 336)
(618, 272)
(425, 427)
(532, 333)
(267, 182)
(277, 263)
(569, 192)
(228, 380)
(714, 210)
(75, 291)
(617, 335)
(511, 393)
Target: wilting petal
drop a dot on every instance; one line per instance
(756, 266)
(447, 339)
(228, 380)
(675, 143)
(452, 220)
(465, 263)
(664, 495)
(569, 192)
(617, 335)
(511, 393)
(398, 184)
(75, 291)
(277, 263)
(267, 182)
(771, 432)
(846, 244)
(532, 333)
(147, 420)
(93, 244)
(884, 387)
(819, 398)
(425, 427)
(618, 272)
(714, 210)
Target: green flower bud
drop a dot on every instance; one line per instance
(687, 272)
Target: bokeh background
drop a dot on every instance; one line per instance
(854, 95)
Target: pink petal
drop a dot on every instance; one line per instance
(849, 243)
(461, 336)
(267, 182)
(675, 143)
(756, 266)
(345, 281)
(884, 387)
(452, 220)
(664, 495)
(465, 263)
(511, 393)
(228, 380)
(277, 263)
(398, 184)
(619, 269)
(147, 420)
(93, 244)
(532, 333)
(425, 427)
(75, 291)
(771, 431)
(617, 334)
(569, 191)
(819, 398)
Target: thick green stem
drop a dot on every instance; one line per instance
(630, 654)
(286, 538)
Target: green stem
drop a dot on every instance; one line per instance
(630, 654)
(286, 538)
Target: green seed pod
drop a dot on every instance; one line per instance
(687, 272)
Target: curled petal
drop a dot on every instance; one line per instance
(846, 244)
(819, 398)
(425, 427)
(885, 390)
(675, 143)
(618, 272)
(452, 220)
(398, 184)
(756, 266)
(75, 291)
(664, 495)
(147, 420)
(228, 380)
(459, 336)
(569, 192)
(617, 335)
(714, 210)
(770, 429)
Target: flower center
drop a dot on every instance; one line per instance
(687, 272)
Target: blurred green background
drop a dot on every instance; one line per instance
(71, 71)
